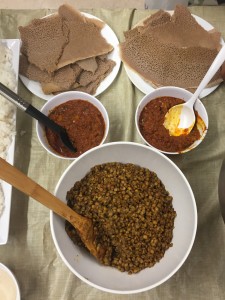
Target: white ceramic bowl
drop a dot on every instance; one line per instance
(62, 98)
(9, 288)
(176, 92)
(110, 279)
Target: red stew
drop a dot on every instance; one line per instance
(83, 122)
(151, 126)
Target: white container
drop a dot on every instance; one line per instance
(62, 98)
(9, 288)
(171, 91)
(109, 279)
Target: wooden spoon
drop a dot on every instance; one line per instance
(83, 225)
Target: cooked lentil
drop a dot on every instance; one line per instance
(132, 213)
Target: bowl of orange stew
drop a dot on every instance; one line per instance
(150, 117)
(82, 115)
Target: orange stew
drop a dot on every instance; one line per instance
(151, 126)
(83, 122)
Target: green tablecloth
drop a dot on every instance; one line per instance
(30, 251)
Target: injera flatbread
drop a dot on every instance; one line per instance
(163, 55)
(43, 41)
(70, 77)
(85, 39)
(93, 81)
(62, 39)
(62, 80)
(104, 66)
(88, 64)
(181, 29)
(31, 71)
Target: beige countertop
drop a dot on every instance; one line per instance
(30, 4)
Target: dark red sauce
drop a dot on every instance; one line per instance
(83, 122)
(151, 126)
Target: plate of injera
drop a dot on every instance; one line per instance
(111, 38)
(145, 87)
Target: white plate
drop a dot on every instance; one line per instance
(14, 45)
(112, 39)
(146, 87)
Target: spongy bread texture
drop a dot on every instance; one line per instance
(70, 77)
(171, 50)
(60, 81)
(43, 41)
(103, 66)
(67, 53)
(184, 31)
(88, 64)
(85, 39)
(33, 72)
(63, 38)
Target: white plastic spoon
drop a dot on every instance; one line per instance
(180, 118)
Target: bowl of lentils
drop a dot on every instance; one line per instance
(84, 118)
(150, 121)
(143, 209)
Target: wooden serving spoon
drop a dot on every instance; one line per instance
(83, 225)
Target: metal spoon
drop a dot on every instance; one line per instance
(180, 119)
(26, 185)
(35, 113)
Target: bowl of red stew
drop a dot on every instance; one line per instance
(150, 117)
(82, 115)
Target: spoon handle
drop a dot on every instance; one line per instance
(13, 97)
(218, 61)
(29, 187)
(28, 108)
(38, 115)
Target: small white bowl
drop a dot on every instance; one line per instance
(176, 92)
(109, 279)
(62, 98)
(9, 288)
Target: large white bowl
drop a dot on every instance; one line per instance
(110, 279)
(62, 98)
(172, 91)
